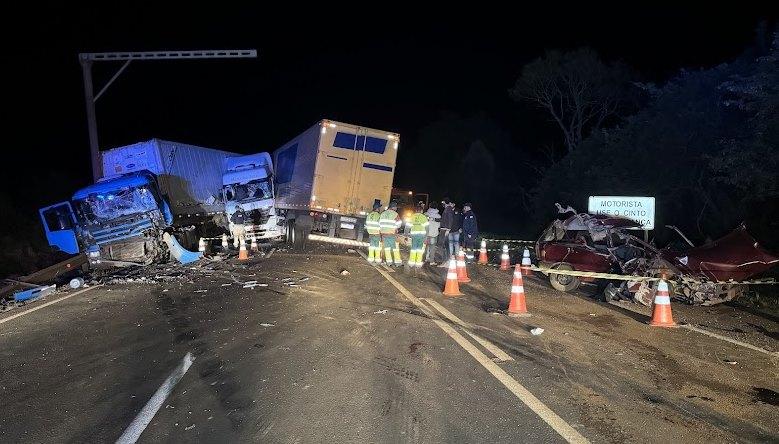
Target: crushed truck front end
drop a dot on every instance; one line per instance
(122, 219)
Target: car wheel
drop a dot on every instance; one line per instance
(562, 282)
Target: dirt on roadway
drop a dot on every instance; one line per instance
(304, 353)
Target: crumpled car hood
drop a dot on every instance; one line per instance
(736, 256)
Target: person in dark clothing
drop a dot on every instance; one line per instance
(470, 231)
(452, 220)
(447, 220)
(237, 229)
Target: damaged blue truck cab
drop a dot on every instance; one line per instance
(118, 218)
(157, 197)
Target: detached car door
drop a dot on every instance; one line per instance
(59, 224)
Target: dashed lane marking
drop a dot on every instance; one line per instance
(539, 408)
(38, 307)
(139, 424)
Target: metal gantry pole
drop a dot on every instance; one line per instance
(94, 148)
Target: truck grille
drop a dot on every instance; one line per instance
(259, 216)
(127, 251)
(119, 232)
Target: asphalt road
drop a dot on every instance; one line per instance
(352, 358)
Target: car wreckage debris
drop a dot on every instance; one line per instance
(584, 247)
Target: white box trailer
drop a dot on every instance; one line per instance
(336, 171)
(189, 176)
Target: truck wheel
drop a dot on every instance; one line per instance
(291, 232)
(563, 282)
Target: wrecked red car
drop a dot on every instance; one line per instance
(586, 242)
(698, 275)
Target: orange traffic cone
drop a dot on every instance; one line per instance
(462, 272)
(452, 288)
(517, 306)
(242, 253)
(661, 309)
(526, 264)
(504, 258)
(483, 253)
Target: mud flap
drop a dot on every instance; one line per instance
(178, 252)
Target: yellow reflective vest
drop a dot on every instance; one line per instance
(372, 222)
(419, 224)
(389, 222)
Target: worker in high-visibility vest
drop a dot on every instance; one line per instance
(374, 233)
(418, 232)
(389, 222)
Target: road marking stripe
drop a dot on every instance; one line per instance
(557, 423)
(702, 331)
(727, 339)
(38, 307)
(139, 424)
(492, 348)
(545, 413)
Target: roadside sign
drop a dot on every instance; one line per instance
(639, 209)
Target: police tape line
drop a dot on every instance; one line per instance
(624, 277)
(592, 274)
(511, 241)
(494, 250)
(766, 281)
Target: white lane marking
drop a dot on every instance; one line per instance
(545, 413)
(492, 348)
(134, 430)
(727, 339)
(38, 307)
(705, 332)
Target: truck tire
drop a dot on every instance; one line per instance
(300, 238)
(562, 282)
(291, 232)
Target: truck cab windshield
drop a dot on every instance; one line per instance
(252, 190)
(97, 208)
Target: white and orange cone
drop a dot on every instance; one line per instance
(452, 288)
(526, 264)
(483, 253)
(462, 271)
(504, 258)
(517, 305)
(661, 309)
(242, 253)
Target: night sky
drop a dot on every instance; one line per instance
(388, 70)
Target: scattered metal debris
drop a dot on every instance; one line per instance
(536, 331)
